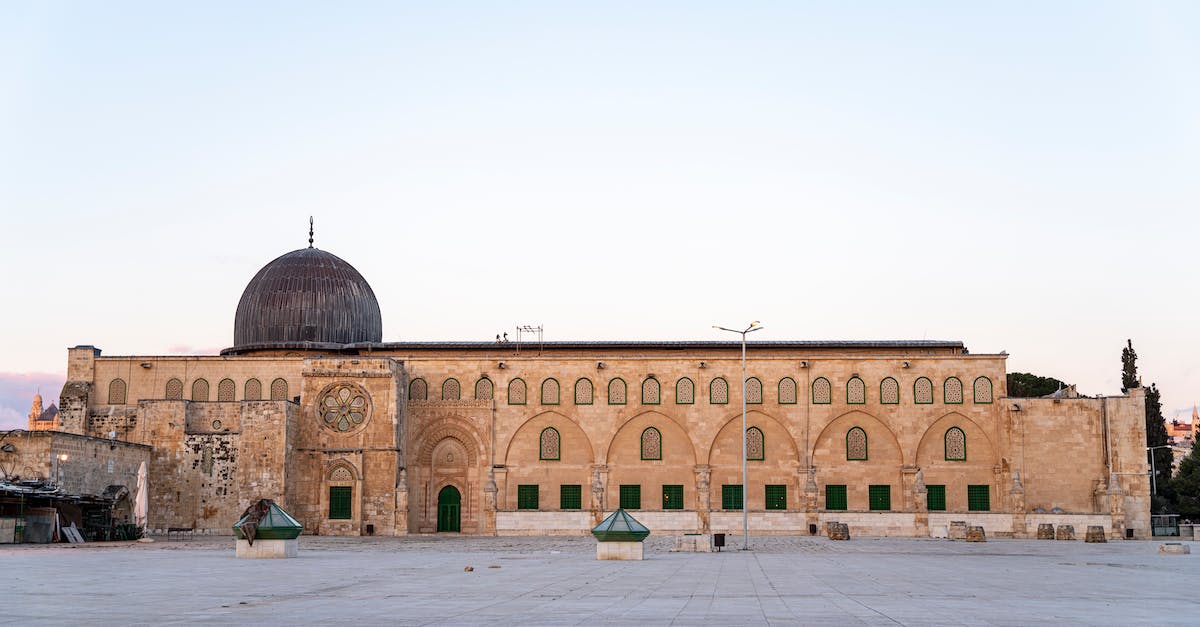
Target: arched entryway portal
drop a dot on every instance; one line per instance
(449, 501)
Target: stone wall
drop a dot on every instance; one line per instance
(91, 466)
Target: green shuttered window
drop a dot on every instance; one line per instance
(881, 497)
(835, 497)
(570, 497)
(631, 497)
(935, 498)
(339, 502)
(731, 496)
(979, 498)
(776, 496)
(672, 497)
(527, 497)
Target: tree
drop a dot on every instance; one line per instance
(1129, 378)
(1186, 486)
(1025, 385)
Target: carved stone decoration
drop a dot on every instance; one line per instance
(344, 407)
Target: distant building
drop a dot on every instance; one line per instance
(1182, 436)
(42, 419)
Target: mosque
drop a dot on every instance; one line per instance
(358, 436)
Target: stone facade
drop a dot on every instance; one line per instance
(393, 438)
(77, 464)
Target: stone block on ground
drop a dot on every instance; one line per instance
(1064, 532)
(840, 531)
(694, 543)
(957, 530)
(831, 526)
(1095, 533)
(1045, 531)
(267, 549)
(1174, 548)
(619, 551)
(975, 534)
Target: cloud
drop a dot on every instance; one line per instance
(16, 395)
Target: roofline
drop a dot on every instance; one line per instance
(894, 345)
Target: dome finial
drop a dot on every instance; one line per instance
(310, 231)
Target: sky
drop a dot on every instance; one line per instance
(1017, 176)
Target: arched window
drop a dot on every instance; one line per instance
(856, 444)
(451, 390)
(956, 445)
(923, 391)
(718, 391)
(953, 391)
(685, 392)
(856, 391)
(116, 392)
(616, 392)
(549, 445)
(516, 392)
(279, 390)
(583, 392)
(651, 444)
(418, 390)
(226, 390)
(983, 390)
(253, 390)
(889, 391)
(651, 391)
(550, 392)
(787, 391)
(174, 391)
(484, 389)
(756, 446)
(199, 390)
(822, 392)
(753, 391)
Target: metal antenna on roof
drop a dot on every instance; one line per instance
(310, 231)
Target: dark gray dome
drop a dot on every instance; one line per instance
(307, 295)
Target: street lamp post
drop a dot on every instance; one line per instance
(754, 326)
(62, 458)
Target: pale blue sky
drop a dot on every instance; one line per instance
(1020, 176)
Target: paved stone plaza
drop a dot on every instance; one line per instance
(556, 580)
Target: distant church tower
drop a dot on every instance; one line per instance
(42, 419)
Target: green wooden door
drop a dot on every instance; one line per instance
(449, 501)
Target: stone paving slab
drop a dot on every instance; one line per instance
(783, 580)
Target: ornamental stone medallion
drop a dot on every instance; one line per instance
(344, 407)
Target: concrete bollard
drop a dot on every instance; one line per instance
(975, 534)
(958, 530)
(1065, 532)
(1045, 531)
(840, 532)
(1095, 533)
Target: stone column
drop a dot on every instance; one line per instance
(1116, 506)
(401, 517)
(703, 495)
(599, 474)
(1016, 504)
(920, 505)
(811, 512)
(489, 503)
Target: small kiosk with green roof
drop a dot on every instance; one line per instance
(265, 530)
(619, 537)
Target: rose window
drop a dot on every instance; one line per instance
(344, 407)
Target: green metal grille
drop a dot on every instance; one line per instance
(776, 496)
(979, 498)
(731, 496)
(835, 497)
(527, 497)
(880, 497)
(935, 498)
(631, 497)
(672, 497)
(570, 497)
(339, 502)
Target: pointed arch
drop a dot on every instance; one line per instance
(574, 444)
(775, 434)
(116, 392)
(829, 442)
